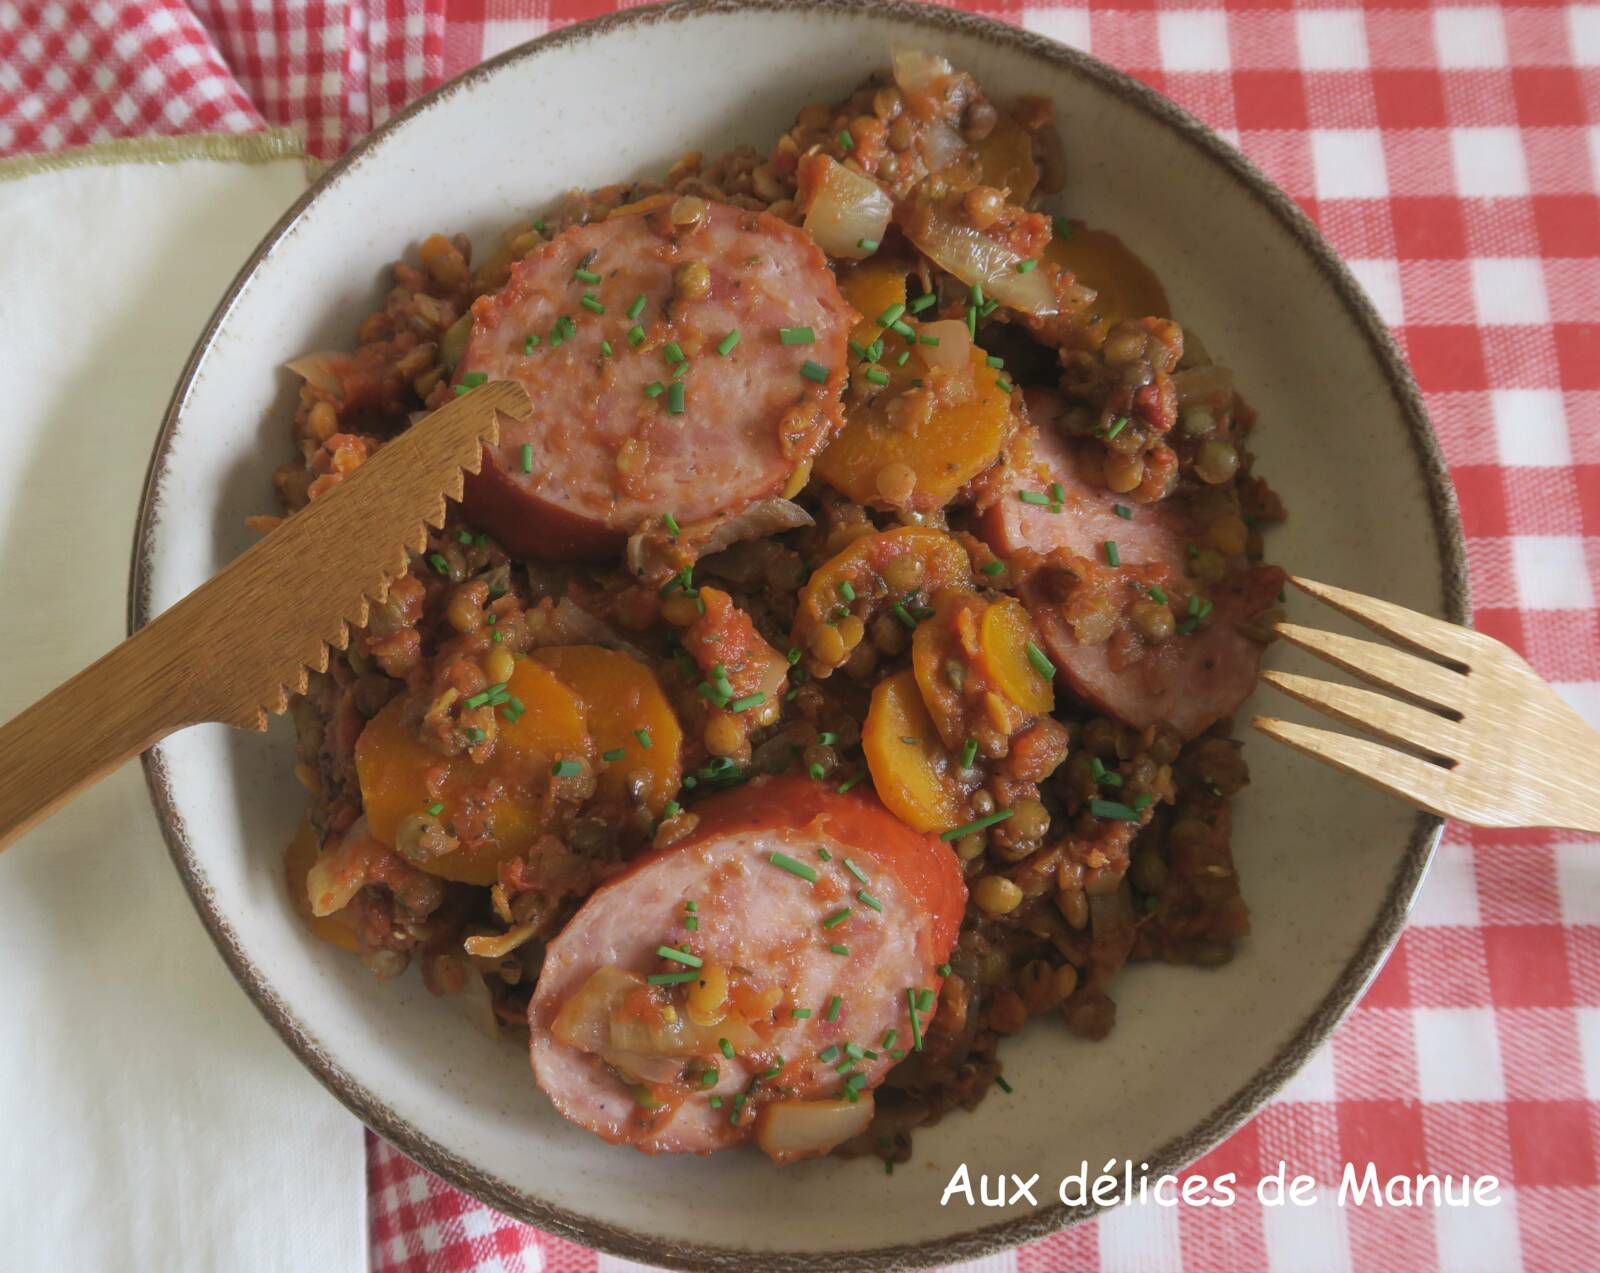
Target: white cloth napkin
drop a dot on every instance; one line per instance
(151, 1119)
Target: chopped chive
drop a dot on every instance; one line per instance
(994, 567)
(829, 1054)
(867, 245)
(1004, 385)
(643, 735)
(900, 612)
(527, 457)
(924, 999)
(708, 1076)
(671, 523)
(943, 970)
(1122, 511)
(475, 735)
(585, 276)
(855, 1082)
(827, 738)
(976, 294)
(799, 1014)
(902, 328)
(726, 344)
(838, 917)
(478, 700)
(916, 1026)
(891, 315)
(877, 377)
(921, 303)
(814, 371)
(671, 978)
(605, 349)
(817, 772)
(1112, 809)
(637, 308)
(1000, 1082)
(434, 810)
(988, 307)
(1024, 266)
(654, 389)
(994, 362)
(473, 379)
(888, 1039)
(848, 783)
(679, 956)
(691, 923)
(824, 854)
(1117, 426)
(969, 752)
(867, 899)
(977, 824)
(1043, 666)
(727, 1048)
(711, 693)
(903, 359)
(834, 1005)
(672, 351)
(592, 303)
(972, 322)
(566, 768)
(738, 1105)
(1058, 493)
(846, 141)
(1156, 594)
(839, 949)
(1205, 609)
(875, 350)
(675, 398)
(1062, 227)
(846, 590)
(786, 863)
(636, 335)
(747, 702)
(796, 336)
(438, 562)
(856, 871)
(1143, 801)
(1113, 557)
(528, 342)
(858, 349)
(1036, 498)
(715, 1102)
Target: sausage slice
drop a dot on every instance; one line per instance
(1084, 606)
(602, 322)
(806, 925)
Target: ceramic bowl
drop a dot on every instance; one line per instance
(1328, 867)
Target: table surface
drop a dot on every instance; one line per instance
(1451, 154)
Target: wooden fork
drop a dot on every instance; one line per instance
(1486, 740)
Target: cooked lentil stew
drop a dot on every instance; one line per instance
(836, 673)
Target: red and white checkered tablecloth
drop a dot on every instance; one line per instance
(1452, 155)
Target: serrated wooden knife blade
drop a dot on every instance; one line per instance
(239, 645)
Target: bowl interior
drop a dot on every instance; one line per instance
(1328, 867)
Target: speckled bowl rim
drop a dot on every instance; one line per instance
(1175, 1154)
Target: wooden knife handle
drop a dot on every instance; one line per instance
(133, 697)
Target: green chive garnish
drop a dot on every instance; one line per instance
(846, 141)
(1157, 595)
(916, 1026)
(643, 735)
(814, 371)
(585, 276)
(891, 315)
(1024, 266)
(847, 591)
(1036, 498)
(637, 308)
(1000, 1082)
(1117, 426)
(566, 769)
(921, 303)
(799, 1014)
(828, 1054)
(838, 917)
(856, 871)
(867, 899)
(834, 1005)
(591, 302)
(675, 398)
(1113, 557)
(727, 1048)
(1122, 511)
(877, 377)
(437, 561)
(838, 949)
(747, 702)
(654, 389)
(726, 344)
(605, 349)
(636, 335)
(1004, 385)
(786, 863)
(679, 956)
(1112, 809)
(944, 971)
(867, 245)
(528, 342)
(796, 336)
(994, 567)
(977, 824)
(671, 978)
(434, 810)
(1043, 666)
(969, 752)
(848, 783)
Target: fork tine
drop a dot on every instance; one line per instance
(1389, 718)
(1409, 627)
(1396, 772)
(1381, 665)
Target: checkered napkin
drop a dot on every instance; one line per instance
(1452, 155)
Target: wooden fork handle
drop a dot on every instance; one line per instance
(133, 697)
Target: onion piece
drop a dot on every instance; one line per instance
(940, 145)
(788, 1131)
(340, 871)
(571, 624)
(318, 371)
(844, 209)
(954, 350)
(973, 257)
(477, 1001)
(652, 554)
(918, 71)
(498, 945)
(1211, 384)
